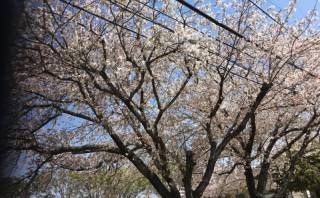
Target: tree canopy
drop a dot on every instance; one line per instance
(191, 96)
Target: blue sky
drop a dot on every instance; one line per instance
(302, 7)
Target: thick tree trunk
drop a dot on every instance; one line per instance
(263, 178)
(187, 179)
(250, 180)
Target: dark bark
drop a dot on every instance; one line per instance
(264, 170)
(247, 167)
(140, 165)
(215, 152)
(208, 173)
(250, 180)
(187, 179)
(263, 178)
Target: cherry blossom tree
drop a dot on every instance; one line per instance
(176, 95)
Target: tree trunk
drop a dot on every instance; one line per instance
(250, 180)
(263, 178)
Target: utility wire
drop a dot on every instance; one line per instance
(282, 25)
(163, 26)
(197, 30)
(191, 27)
(103, 18)
(124, 7)
(210, 51)
(266, 13)
(194, 9)
(241, 36)
(191, 7)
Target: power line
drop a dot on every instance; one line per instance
(194, 9)
(124, 7)
(272, 3)
(241, 36)
(191, 27)
(103, 18)
(210, 18)
(163, 26)
(266, 13)
(195, 29)
(278, 57)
